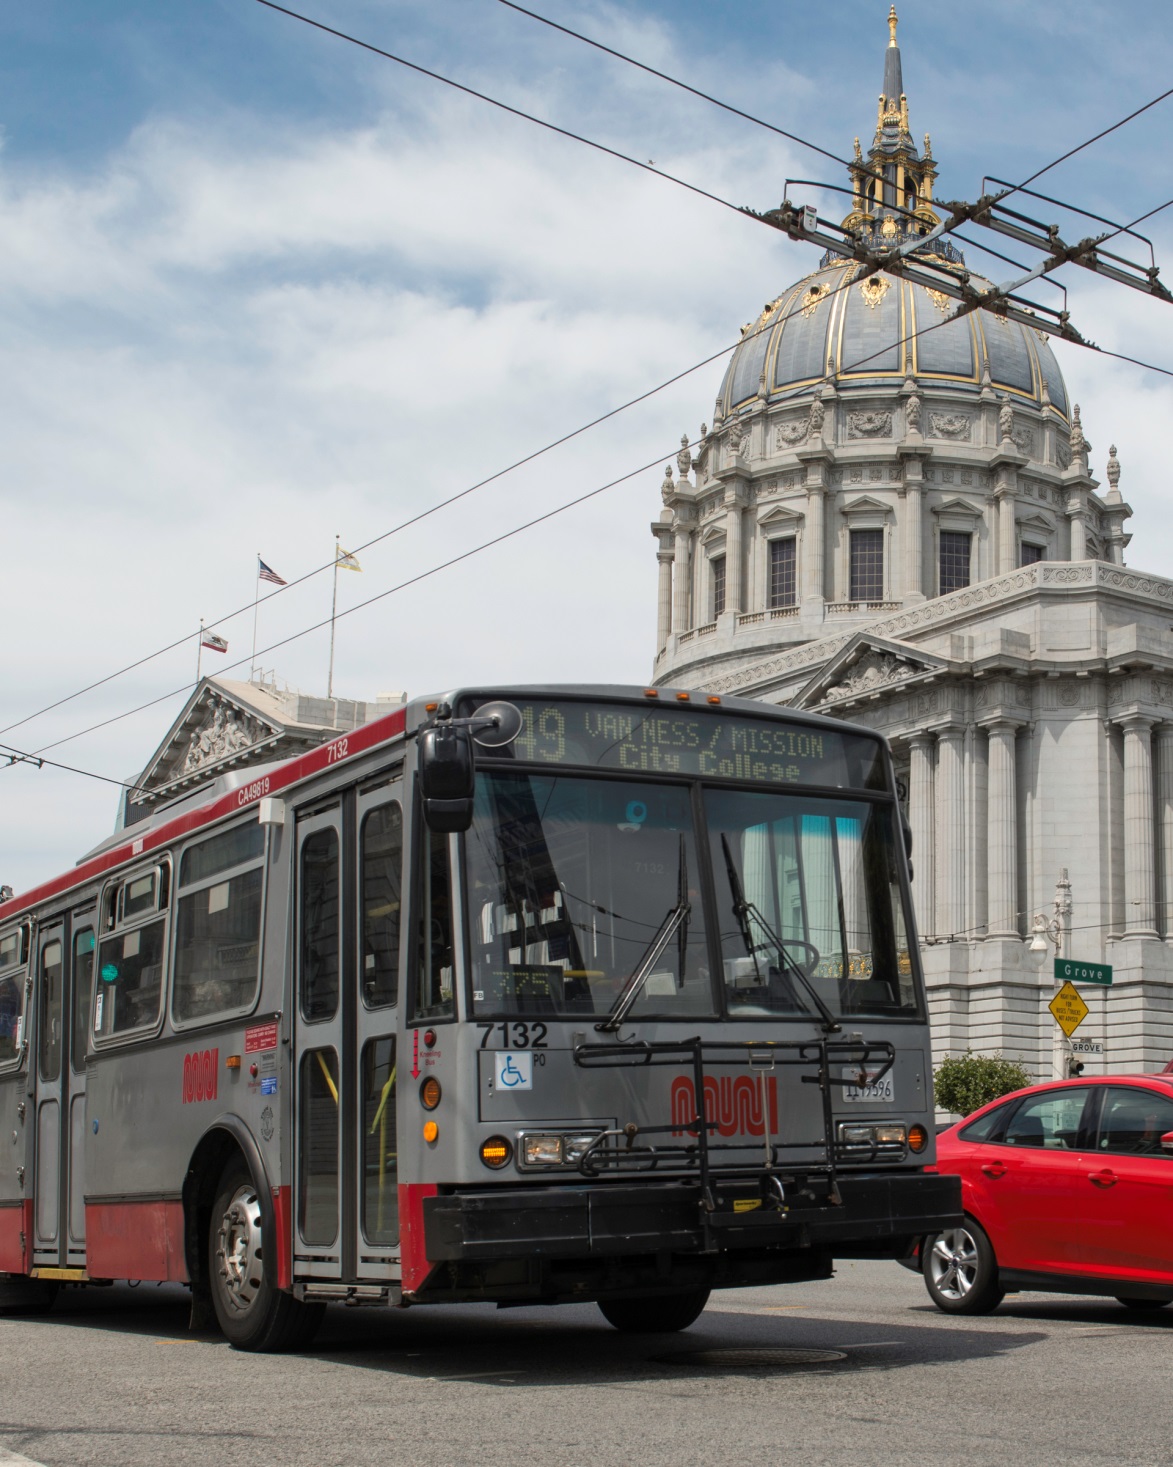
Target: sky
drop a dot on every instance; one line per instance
(260, 287)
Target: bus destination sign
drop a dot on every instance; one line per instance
(685, 741)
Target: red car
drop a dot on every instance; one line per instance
(1067, 1187)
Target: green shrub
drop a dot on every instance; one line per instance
(964, 1083)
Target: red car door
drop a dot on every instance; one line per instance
(1125, 1196)
(1033, 1175)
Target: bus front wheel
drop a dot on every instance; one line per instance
(655, 1314)
(253, 1313)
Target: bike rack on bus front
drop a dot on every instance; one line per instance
(617, 1149)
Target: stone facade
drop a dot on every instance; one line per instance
(1023, 675)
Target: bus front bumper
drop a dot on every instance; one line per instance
(879, 1216)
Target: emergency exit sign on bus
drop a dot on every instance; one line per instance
(1070, 970)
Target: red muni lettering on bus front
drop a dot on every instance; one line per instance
(201, 1075)
(733, 1102)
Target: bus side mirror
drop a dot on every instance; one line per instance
(447, 777)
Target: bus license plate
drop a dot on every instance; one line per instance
(878, 1092)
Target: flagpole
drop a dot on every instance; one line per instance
(333, 612)
(256, 604)
(200, 651)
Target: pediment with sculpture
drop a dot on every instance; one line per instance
(868, 666)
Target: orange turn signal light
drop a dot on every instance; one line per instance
(496, 1152)
(683, 697)
(430, 1093)
(651, 692)
(918, 1138)
(232, 1062)
(431, 1131)
(712, 698)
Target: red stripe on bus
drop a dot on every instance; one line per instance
(16, 1228)
(283, 1226)
(292, 772)
(136, 1240)
(416, 1267)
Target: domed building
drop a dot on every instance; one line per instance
(892, 518)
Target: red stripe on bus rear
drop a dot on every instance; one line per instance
(293, 771)
(16, 1228)
(136, 1240)
(415, 1263)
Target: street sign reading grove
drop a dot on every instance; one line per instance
(1068, 1009)
(1070, 970)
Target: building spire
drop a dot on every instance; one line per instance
(893, 80)
(893, 186)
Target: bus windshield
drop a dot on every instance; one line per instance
(809, 906)
(570, 879)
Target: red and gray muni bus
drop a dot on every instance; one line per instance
(518, 995)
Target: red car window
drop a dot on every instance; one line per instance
(1133, 1121)
(1050, 1120)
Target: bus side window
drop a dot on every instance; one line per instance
(13, 952)
(434, 956)
(218, 925)
(128, 995)
(381, 881)
(83, 982)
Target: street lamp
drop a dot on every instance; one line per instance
(1043, 928)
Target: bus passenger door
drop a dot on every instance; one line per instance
(349, 878)
(319, 1098)
(64, 970)
(378, 851)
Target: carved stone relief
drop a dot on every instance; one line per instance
(1025, 439)
(958, 426)
(786, 435)
(227, 732)
(869, 425)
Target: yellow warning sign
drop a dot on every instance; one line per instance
(1068, 1009)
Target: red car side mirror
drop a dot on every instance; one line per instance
(1167, 1142)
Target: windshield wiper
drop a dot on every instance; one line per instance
(743, 910)
(674, 921)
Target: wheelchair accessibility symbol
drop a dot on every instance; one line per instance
(514, 1069)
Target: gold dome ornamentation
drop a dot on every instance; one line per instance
(873, 290)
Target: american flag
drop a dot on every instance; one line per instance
(266, 573)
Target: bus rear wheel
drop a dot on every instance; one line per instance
(655, 1314)
(253, 1313)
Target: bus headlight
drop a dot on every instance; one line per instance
(575, 1147)
(539, 1150)
(868, 1140)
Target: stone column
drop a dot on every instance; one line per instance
(1164, 736)
(1139, 872)
(921, 818)
(1005, 502)
(664, 558)
(1002, 827)
(733, 566)
(950, 808)
(682, 601)
(814, 541)
(1077, 519)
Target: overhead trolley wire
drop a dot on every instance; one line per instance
(503, 106)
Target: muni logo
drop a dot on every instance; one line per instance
(734, 1102)
(201, 1075)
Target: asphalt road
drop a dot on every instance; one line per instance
(112, 1377)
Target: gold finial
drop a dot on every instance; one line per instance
(892, 25)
